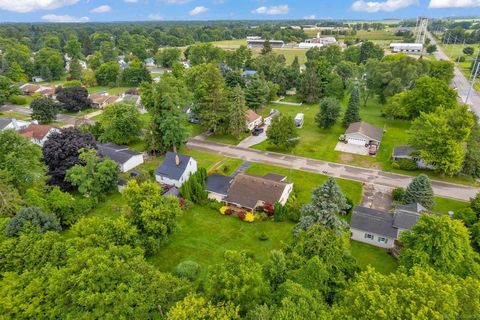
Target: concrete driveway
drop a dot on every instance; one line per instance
(351, 148)
(252, 140)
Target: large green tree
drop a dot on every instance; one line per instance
(135, 74)
(195, 307)
(352, 114)
(257, 93)
(237, 114)
(120, 123)
(282, 132)
(44, 109)
(108, 73)
(330, 109)
(419, 191)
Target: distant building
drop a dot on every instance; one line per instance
(124, 157)
(101, 100)
(150, 62)
(38, 133)
(253, 120)
(260, 43)
(362, 133)
(29, 89)
(37, 79)
(175, 169)
(406, 47)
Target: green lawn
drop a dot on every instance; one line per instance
(226, 166)
(377, 258)
(15, 115)
(228, 138)
(203, 235)
(444, 205)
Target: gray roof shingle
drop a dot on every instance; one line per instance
(366, 129)
(374, 221)
(119, 154)
(403, 151)
(4, 123)
(169, 167)
(218, 183)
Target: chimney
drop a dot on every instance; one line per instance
(177, 160)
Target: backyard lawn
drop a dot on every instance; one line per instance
(377, 258)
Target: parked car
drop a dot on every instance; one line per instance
(373, 149)
(194, 120)
(257, 131)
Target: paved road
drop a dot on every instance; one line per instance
(460, 81)
(368, 176)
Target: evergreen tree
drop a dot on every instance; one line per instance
(327, 202)
(330, 109)
(257, 93)
(75, 69)
(267, 47)
(237, 112)
(353, 109)
(419, 191)
(310, 90)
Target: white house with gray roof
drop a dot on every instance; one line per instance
(13, 124)
(363, 134)
(380, 228)
(124, 157)
(175, 169)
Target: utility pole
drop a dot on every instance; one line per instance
(472, 84)
(475, 64)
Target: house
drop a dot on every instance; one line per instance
(248, 73)
(186, 64)
(135, 99)
(258, 43)
(175, 169)
(149, 62)
(291, 92)
(250, 191)
(47, 91)
(406, 47)
(253, 120)
(410, 153)
(326, 40)
(29, 89)
(217, 186)
(101, 100)
(362, 133)
(381, 228)
(124, 157)
(38, 133)
(12, 124)
(37, 79)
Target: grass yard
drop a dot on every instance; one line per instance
(15, 115)
(444, 205)
(203, 235)
(227, 138)
(377, 258)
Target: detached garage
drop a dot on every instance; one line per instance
(362, 134)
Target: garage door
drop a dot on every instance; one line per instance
(358, 142)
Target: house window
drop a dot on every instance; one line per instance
(369, 236)
(382, 240)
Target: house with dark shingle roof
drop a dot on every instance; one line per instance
(13, 124)
(124, 157)
(250, 191)
(175, 169)
(380, 228)
(217, 186)
(410, 153)
(362, 133)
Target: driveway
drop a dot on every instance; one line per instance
(252, 140)
(364, 175)
(377, 197)
(351, 148)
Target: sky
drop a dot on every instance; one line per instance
(159, 10)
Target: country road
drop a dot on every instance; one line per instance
(364, 175)
(459, 81)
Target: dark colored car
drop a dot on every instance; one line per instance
(373, 149)
(257, 131)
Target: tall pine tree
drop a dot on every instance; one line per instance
(419, 191)
(237, 124)
(353, 109)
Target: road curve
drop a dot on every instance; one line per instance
(364, 175)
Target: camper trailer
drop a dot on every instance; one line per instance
(299, 119)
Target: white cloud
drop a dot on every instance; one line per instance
(454, 3)
(101, 9)
(64, 18)
(388, 6)
(155, 17)
(198, 10)
(310, 17)
(176, 1)
(282, 9)
(31, 5)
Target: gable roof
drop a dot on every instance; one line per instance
(366, 129)
(246, 190)
(218, 183)
(4, 122)
(251, 115)
(36, 131)
(406, 216)
(374, 221)
(169, 167)
(403, 151)
(119, 154)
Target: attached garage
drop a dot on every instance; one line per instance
(357, 141)
(361, 134)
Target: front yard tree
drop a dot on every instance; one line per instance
(352, 114)
(94, 177)
(257, 93)
(73, 98)
(441, 136)
(330, 109)
(419, 191)
(328, 201)
(120, 123)
(61, 152)
(441, 243)
(136, 73)
(154, 215)
(282, 132)
(237, 112)
(44, 109)
(20, 161)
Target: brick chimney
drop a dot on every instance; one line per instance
(177, 160)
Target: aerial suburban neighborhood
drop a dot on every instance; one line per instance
(236, 160)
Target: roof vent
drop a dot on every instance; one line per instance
(177, 160)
